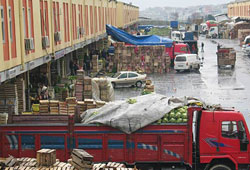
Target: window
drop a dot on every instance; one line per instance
(132, 75)
(180, 58)
(96, 26)
(12, 28)
(56, 16)
(91, 20)
(10, 22)
(29, 21)
(3, 23)
(229, 129)
(86, 20)
(122, 76)
(24, 23)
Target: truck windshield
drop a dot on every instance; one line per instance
(247, 41)
(181, 58)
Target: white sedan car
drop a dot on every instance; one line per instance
(128, 78)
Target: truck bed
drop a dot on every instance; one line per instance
(154, 143)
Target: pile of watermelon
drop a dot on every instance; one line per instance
(178, 115)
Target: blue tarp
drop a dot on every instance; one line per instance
(123, 36)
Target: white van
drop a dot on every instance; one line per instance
(187, 62)
(246, 46)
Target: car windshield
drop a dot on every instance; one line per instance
(116, 75)
(181, 58)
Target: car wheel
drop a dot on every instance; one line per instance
(113, 84)
(220, 167)
(138, 84)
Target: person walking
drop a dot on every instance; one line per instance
(202, 47)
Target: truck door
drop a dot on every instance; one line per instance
(229, 142)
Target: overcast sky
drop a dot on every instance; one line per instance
(143, 4)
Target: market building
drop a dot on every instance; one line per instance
(40, 39)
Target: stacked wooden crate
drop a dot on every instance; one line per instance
(63, 108)
(71, 104)
(11, 96)
(79, 85)
(81, 159)
(90, 104)
(149, 86)
(81, 105)
(54, 106)
(3, 118)
(87, 88)
(44, 107)
(226, 56)
(21, 95)
(3, 107)
(149, 59)
(95, 63)
(100, 103)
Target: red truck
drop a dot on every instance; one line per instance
(210, 140)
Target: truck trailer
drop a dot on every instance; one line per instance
(210, 140)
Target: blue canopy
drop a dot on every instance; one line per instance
(123, 36)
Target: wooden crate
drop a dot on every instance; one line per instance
(46, 157)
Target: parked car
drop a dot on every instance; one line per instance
(187, 62)
(128, 78)
(246, 46)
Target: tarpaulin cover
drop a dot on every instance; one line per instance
(123, 36)
(132, 117)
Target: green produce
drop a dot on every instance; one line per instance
(184, 115)
(132, 101)
(172, 114)
(165, 120)
(179, 120)
(178, 115)
(145, 92)
(172, 120)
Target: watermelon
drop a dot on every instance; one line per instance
(172, 120)
(184, 120)
(179, 120)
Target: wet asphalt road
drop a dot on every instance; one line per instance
(226, 86)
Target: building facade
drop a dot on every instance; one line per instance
(35, 32)
(239, 9)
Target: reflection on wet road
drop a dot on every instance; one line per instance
(226, 86)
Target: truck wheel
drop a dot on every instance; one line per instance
(138, 84)
(220, 167)
(113, 84)
(198, 67)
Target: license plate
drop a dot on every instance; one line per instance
(180, 65)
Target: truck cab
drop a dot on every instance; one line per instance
(223, 140)
(176, 36)
(213, 32)
(246, 45)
